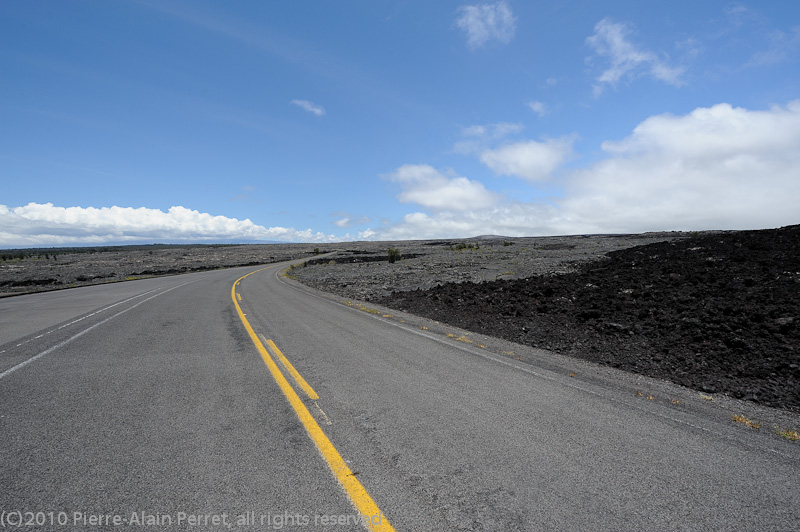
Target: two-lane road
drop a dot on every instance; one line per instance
(150, 402)
(164, 409)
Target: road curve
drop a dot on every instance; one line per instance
(150, 402)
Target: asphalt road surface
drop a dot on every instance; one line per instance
(165, 404)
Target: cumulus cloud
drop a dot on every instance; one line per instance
(510, 219)
(717, 167)
(487, 22)
(531, 160)
(426, 186)
(311, 107)
(626, 61)
(720, 167)
(37, 224)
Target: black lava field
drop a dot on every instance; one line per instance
(719, 312)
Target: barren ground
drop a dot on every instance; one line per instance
(56, 268)
(717, 311)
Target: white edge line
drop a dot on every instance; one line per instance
(86, 330)
(73, 322)
(492, 357)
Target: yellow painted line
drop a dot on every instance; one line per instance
(372, 517)
(239, 296)
(293, 372)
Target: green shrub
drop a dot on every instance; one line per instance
(461, 246)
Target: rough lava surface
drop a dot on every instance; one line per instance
(717, 312)
(36, 270)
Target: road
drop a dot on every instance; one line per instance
(151, 403)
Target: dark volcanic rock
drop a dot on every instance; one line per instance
(31, 270)
(717, 313)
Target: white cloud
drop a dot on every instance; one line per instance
(717, 167)
(739, 14)
(720, 167)
(512, 219)
(478, 137)
(627, 61)
(38, 224)
(310, 107)
(492, 131)
(474, 131)
(425, 186)
(531, 160)
(538, 107)
(780, 47)
(504, 129)
(749, 40)
(346, 220)
(487, 22)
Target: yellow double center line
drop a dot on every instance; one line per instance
(372, 517)
(293, 372)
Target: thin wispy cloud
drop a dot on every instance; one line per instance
(345, 220)
(781, 46)
(311, 107)
(740, 38)
(479, 137)
(538, 107)
(318, 60)
(493, 131)
(739, 14)
(487, 22)
(625, 61)
(755, 38)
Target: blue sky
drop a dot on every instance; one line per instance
(245, 121)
